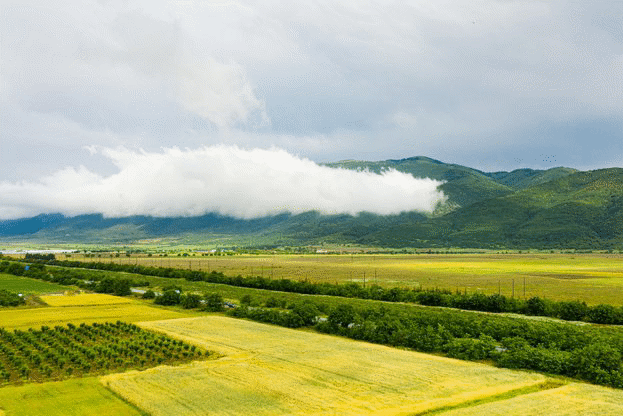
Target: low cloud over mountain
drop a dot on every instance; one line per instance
(223, 179)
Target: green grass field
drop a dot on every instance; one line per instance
(76, 397)
(593, 278)
(28, 286)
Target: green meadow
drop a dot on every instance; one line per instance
(28, 286)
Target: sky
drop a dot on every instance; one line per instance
(494, 85)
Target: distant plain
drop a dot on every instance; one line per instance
(592, 278)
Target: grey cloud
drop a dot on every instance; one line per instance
(480, 83)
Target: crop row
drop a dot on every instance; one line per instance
(64, 351)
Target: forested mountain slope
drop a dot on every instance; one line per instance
(557, 208)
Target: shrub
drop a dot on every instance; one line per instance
(214, 302)
(168, 298)
(246, 299)
(190, 301)
(572, 311)
(471, 349)
(149, 294)
(603, 314)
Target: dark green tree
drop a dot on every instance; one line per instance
(190, 301)
(213, 302)
(342, 316)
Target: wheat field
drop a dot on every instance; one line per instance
(268, 370)
(61, 315)
(84, 299)
(571, 400)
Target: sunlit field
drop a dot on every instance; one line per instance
(77, 397)
(570, 400)
(271, 370)
(268, 370)
(58, 315)
(84, 299)
(593, 278)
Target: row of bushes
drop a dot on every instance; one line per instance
(211, 302)
(299, 314)
(572, 311)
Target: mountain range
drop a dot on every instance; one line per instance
(525, 208)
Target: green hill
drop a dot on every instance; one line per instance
(463, 185)
(524, 178)
(555, 208)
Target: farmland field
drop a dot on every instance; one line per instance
(593, 278)
(570, 400)
(78, 397)
(270, 370)
(84, 299)
(132, 311)
(28, 286)
(267, 370)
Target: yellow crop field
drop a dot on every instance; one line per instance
(84, 299)
(574, 399)
(61, 315)
(593, 278)
(270, 370)
(77, 397)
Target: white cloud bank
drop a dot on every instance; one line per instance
(222, 179)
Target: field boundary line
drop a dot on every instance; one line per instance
(118, 396)
(535, 388)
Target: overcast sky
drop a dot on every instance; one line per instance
(495, 85)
